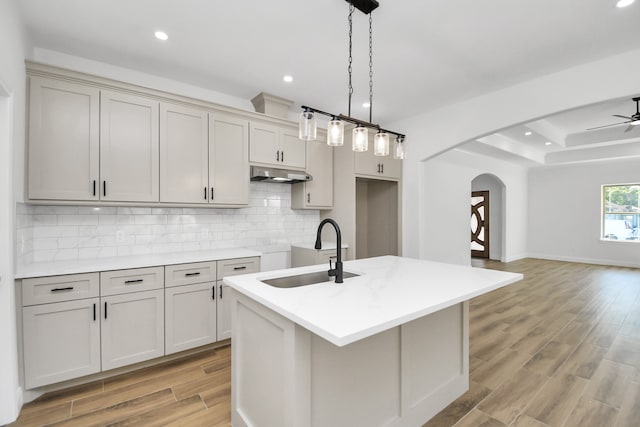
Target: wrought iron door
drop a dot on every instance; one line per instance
(480, 224)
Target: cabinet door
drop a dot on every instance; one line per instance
(391, 167)
(224, 311)
(129, 148)
(184, 149)
(292, 149)
(190, 316)
(320, 166)
(63, 140)
(377, 166)
(132, 328)
(61, 341)
(264, 143)
(228, 160)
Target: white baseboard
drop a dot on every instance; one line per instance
(596, 261)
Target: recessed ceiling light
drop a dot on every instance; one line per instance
(161, 35)
(366, 105)
(287, 79)
(624, 3)
(547, 143)
(527, 133)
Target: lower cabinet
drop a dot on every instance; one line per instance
(191, 316)
(61, 341)
(132, 328)
(224, 311)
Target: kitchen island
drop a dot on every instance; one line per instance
(387, 347)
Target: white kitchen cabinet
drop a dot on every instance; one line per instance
(61, 341)
(317, 193)
(63, 140)
(228, 160)
(129, 148)
(190, 316)
(382, 167)
(184, 150)
(230, 267)
(60, 328)
(132, 328)
(276, 146)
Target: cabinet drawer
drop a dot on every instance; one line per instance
(43, 290)
(134, 280)
(233, 267)
(187, 274)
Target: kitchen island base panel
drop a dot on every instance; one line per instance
(284, 375)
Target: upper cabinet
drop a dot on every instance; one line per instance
(129, 148)
(184, 150)
(228, 160)
(317, 193)
(382, 167)
(276, 146)
(64, 135)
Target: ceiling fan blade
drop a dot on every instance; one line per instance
(606, 126)
(630, 128)
(622, 117)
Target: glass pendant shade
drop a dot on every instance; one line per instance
(335, 132)
(381, 144)
(360, 138)
(400, 151)
(308, 127)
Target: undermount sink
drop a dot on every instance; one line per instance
(303, 279)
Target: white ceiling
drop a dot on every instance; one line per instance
(427, 54)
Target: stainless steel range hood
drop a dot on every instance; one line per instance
(282, 176)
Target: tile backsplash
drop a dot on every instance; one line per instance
(269, 225)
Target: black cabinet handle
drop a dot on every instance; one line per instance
(205, 193)
(94, 187)
(129, 282)
(282, 156)
(69, 288)
(382, 167)
(213, 292)
(220, 291)
(244, 267)
(308, 197)
(105, 310)
(278, 155)
(211, 194)
(197, 273)
(378, 167)
(94, 312)
(104, 188)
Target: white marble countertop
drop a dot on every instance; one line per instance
(134, 261)
(391, 291)
(325, 245)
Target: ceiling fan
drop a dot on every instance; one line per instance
(634, 120)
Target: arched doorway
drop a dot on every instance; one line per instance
(487, 217)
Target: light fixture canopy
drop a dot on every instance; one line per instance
(335, 127)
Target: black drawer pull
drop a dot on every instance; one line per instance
(244, 267)
(70, 288)
(94, 187)
(94, 312)
(213, 292)
(128, 282)
(105, 310)
(104, 188)
(192, 274)
(221, 291)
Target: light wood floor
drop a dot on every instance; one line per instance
(560, 348)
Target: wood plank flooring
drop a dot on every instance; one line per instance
(560, 348)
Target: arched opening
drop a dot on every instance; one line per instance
(488, 213)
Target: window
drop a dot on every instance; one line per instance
(620, 211)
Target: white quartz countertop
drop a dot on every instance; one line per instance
(391, 291)
(134, 261)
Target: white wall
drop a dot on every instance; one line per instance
(446, 183)
(437, 131)
(490, 183)
(12, 94)
(564, 213)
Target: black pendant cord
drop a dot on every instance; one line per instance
(370, 69)
(349, 68)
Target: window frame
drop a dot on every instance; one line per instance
(604, 213)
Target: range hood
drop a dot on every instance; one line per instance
(282, 176)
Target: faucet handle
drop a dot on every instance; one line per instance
(334, 259)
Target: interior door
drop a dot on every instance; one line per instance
(480, 224)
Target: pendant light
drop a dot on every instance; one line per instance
(335, 127)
